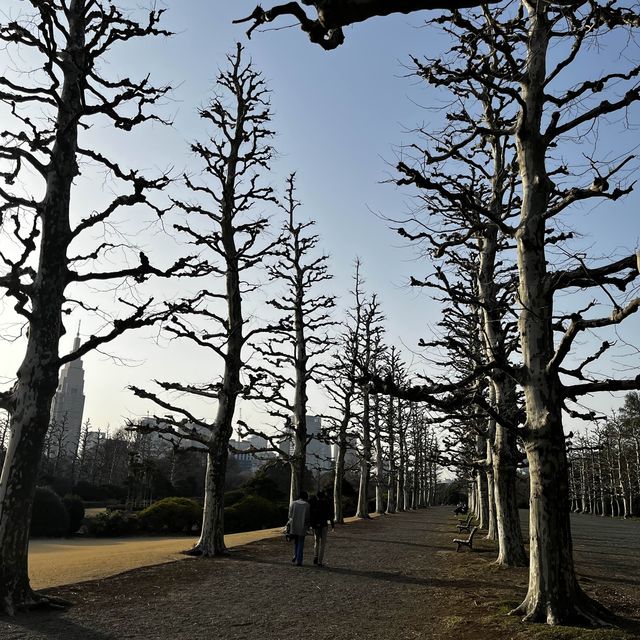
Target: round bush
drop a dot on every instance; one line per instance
(49, 518)
(175, 515)
(75, 508)
(114, 523)
(252, 513)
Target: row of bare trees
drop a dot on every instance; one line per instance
(605, 464)
(493, 187)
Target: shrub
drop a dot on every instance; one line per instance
(49, 517)
(75, 508)
(176, 515)
(110, 524)
(233, 497)
(252, 513)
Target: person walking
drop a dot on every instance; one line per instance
(321, 516)
(299, 521)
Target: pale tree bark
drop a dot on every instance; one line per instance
(402, 456)
(380, 482)
(391, 490)
(554, 594)
(362, 510)
(338, 477)
(511, 551)
(491, 497)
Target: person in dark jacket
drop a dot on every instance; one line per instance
(321, 517)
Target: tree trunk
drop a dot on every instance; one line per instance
(297, 465)
(391, 491)
(211, 541)
(482, 499)
(511, 551)
(491, 502)
(554, 595)
(338, 479)
(365, 462)
(379, 460)
(401, 503)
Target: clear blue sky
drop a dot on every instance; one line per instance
(338, 116)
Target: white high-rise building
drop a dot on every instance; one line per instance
(318, 453)
(68, 403)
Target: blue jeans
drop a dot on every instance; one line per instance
(299, 549)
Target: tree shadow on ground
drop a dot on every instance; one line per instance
(402, 543)
(51, 625)
(386, 576)
(605, 578)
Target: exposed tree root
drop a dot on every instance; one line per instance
(199, 552)
(518, 562)
(580, 610)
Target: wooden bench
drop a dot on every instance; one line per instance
(465, 526)
(466, 543)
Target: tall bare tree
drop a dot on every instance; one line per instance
(295, 355)
(342, 389)
(222, 221)
(49, 113)
(370, 352)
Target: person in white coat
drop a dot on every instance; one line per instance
(299, 521)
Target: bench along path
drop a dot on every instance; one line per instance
(392, 577)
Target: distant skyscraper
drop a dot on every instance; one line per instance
(68, 403)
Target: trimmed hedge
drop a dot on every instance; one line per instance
(175, 515)
(49, 517)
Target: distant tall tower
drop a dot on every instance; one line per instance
(68, 403)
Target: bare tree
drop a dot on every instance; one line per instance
(49, 113)
(302, 340)
(342, 389)
(467, 186)
(370, 352)
(222, 221)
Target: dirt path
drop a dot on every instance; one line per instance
(393, 578)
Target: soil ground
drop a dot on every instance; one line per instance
(395, 577)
